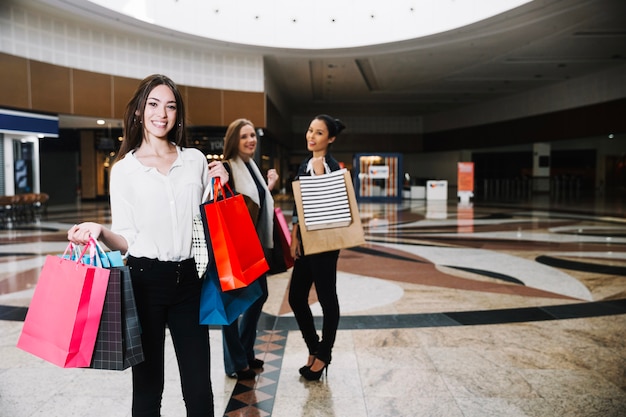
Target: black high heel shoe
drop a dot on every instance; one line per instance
(311, 375)
(307, 366)
(245, 374)
(256, 363)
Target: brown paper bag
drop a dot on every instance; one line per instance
(328, 239)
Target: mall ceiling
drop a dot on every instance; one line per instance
(541, 43)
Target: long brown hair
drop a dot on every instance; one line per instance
(231, 138)
(133, 123)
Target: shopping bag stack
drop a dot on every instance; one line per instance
(235, 245)
(63, 318)
(118, 344)
(83, 312)
(230, 284)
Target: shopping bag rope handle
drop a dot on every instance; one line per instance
(70, 246)
(217, 186)
(99, 250)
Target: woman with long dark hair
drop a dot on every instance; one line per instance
(321, 268)
(156, 188)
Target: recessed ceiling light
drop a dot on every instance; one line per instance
(100, 121)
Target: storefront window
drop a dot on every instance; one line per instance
(379, 176)
(24, 175)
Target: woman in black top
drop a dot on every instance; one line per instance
(321, 268)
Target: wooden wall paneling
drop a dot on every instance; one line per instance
(14, 81)
(248, 105)
(50, 87)
(123, 90)
(65, 90)
(204, 106)
(92, 94)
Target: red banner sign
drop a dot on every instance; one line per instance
(465, 176)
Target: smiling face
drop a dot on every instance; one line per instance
(317, 139)
(159, 115)
(247, 142)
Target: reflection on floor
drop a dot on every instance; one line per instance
(448, 310)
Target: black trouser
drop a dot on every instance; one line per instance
(168, 294)
(321, 270)
(239, 337)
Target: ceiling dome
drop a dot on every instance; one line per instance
(323, 24)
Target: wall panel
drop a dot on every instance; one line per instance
(14, 81)
(63, 90)
(123, 90)
(239, 104)
(204, 106)
(92, 94)
(50, 88)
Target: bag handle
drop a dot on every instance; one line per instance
(73, 250)
(208, 193)
(211, 191)
(98, 252)
(217, 187)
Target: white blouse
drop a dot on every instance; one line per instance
(309, 168)
(154, 212)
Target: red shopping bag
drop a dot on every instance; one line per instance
(236, 247)
(64, 314)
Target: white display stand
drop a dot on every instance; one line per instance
(418, 192)
(465, 196)
(437, 190)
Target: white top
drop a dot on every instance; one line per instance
(154, 212)
(309, 168)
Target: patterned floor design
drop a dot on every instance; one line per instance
(256, 397)
(495, 309)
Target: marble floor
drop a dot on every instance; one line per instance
(474, 310)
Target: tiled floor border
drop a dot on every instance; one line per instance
(256, 397)
(458, 318)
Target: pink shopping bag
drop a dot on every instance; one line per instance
(64, 314)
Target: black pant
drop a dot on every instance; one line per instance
(239, 337)
(168, 294)
(321, 270)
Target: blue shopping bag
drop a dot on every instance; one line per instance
(220, 307)
(107, 259)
